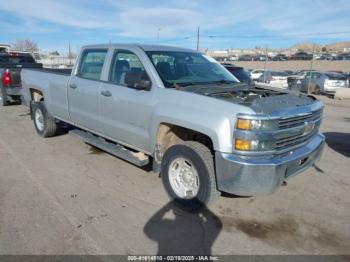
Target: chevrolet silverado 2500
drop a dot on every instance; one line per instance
(182, 112)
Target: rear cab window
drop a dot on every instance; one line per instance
(16, 59)
(91, 64)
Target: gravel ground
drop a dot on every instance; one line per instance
(61, 196)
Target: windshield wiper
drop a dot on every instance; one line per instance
(223, 81)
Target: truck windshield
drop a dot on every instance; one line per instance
(188, 68)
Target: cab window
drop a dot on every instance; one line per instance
(92, 63)
(126, 66)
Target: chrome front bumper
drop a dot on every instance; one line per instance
(250, 176)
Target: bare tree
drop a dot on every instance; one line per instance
(26, 45)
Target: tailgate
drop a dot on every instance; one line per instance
(15, 76)
(15, 71)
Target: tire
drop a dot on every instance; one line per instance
(200, 159)
(4, 101)
(44, 123)
(317, 90)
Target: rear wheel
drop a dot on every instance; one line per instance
(317, 90)
(3, 97)
(188, 175)
(44, 123)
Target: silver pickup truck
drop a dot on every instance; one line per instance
(182, 112)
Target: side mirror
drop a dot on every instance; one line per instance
(138, 80)
(144, 84)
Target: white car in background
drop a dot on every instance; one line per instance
(256, 73)
(274, 78)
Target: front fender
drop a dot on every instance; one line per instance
(207, 122)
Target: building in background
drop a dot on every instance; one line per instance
(4, 48)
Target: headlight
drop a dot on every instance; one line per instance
(254, 124)
(253, 145)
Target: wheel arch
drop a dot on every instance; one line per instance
(169, 134)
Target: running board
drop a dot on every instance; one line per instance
(137, 158)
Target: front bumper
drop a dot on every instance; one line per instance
(331, 89)
(250, 176)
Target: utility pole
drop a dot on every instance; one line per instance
(311, 66)
(198, 39)
(265, 62)
(158, 34)
(69, 54)
(312, 59)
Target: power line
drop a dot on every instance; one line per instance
(278, 36)
(274, 37)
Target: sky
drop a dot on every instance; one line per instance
(53, 24)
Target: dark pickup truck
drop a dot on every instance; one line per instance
(11, 65)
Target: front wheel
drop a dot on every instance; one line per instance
(44, 123)
(188, 175)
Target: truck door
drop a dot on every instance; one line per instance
(126, 111)
(84, 89)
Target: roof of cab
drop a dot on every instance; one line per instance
(142, 46)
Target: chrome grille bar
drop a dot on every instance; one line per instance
(285, 123)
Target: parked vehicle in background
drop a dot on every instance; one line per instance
(274, 78)
(289, 72)
(347, 75)
(343, 56)
(256, 73)
(326, 57)
(261, 58)
(239, 72)
(297, 81)
(233, 58)
(204, 132)
(317, 82)
(11, 65)
(332, 81)
(301, 56)
(280, 57)
(246, 58)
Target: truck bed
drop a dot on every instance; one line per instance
(52, 83)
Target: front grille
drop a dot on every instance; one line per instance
(294, 140)
(299, 137)
(290, 122)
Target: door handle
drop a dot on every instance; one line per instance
(106, 93)
(73, 86)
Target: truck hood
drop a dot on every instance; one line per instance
(267, 105)
(261, 100)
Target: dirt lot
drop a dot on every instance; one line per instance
(61, 196)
